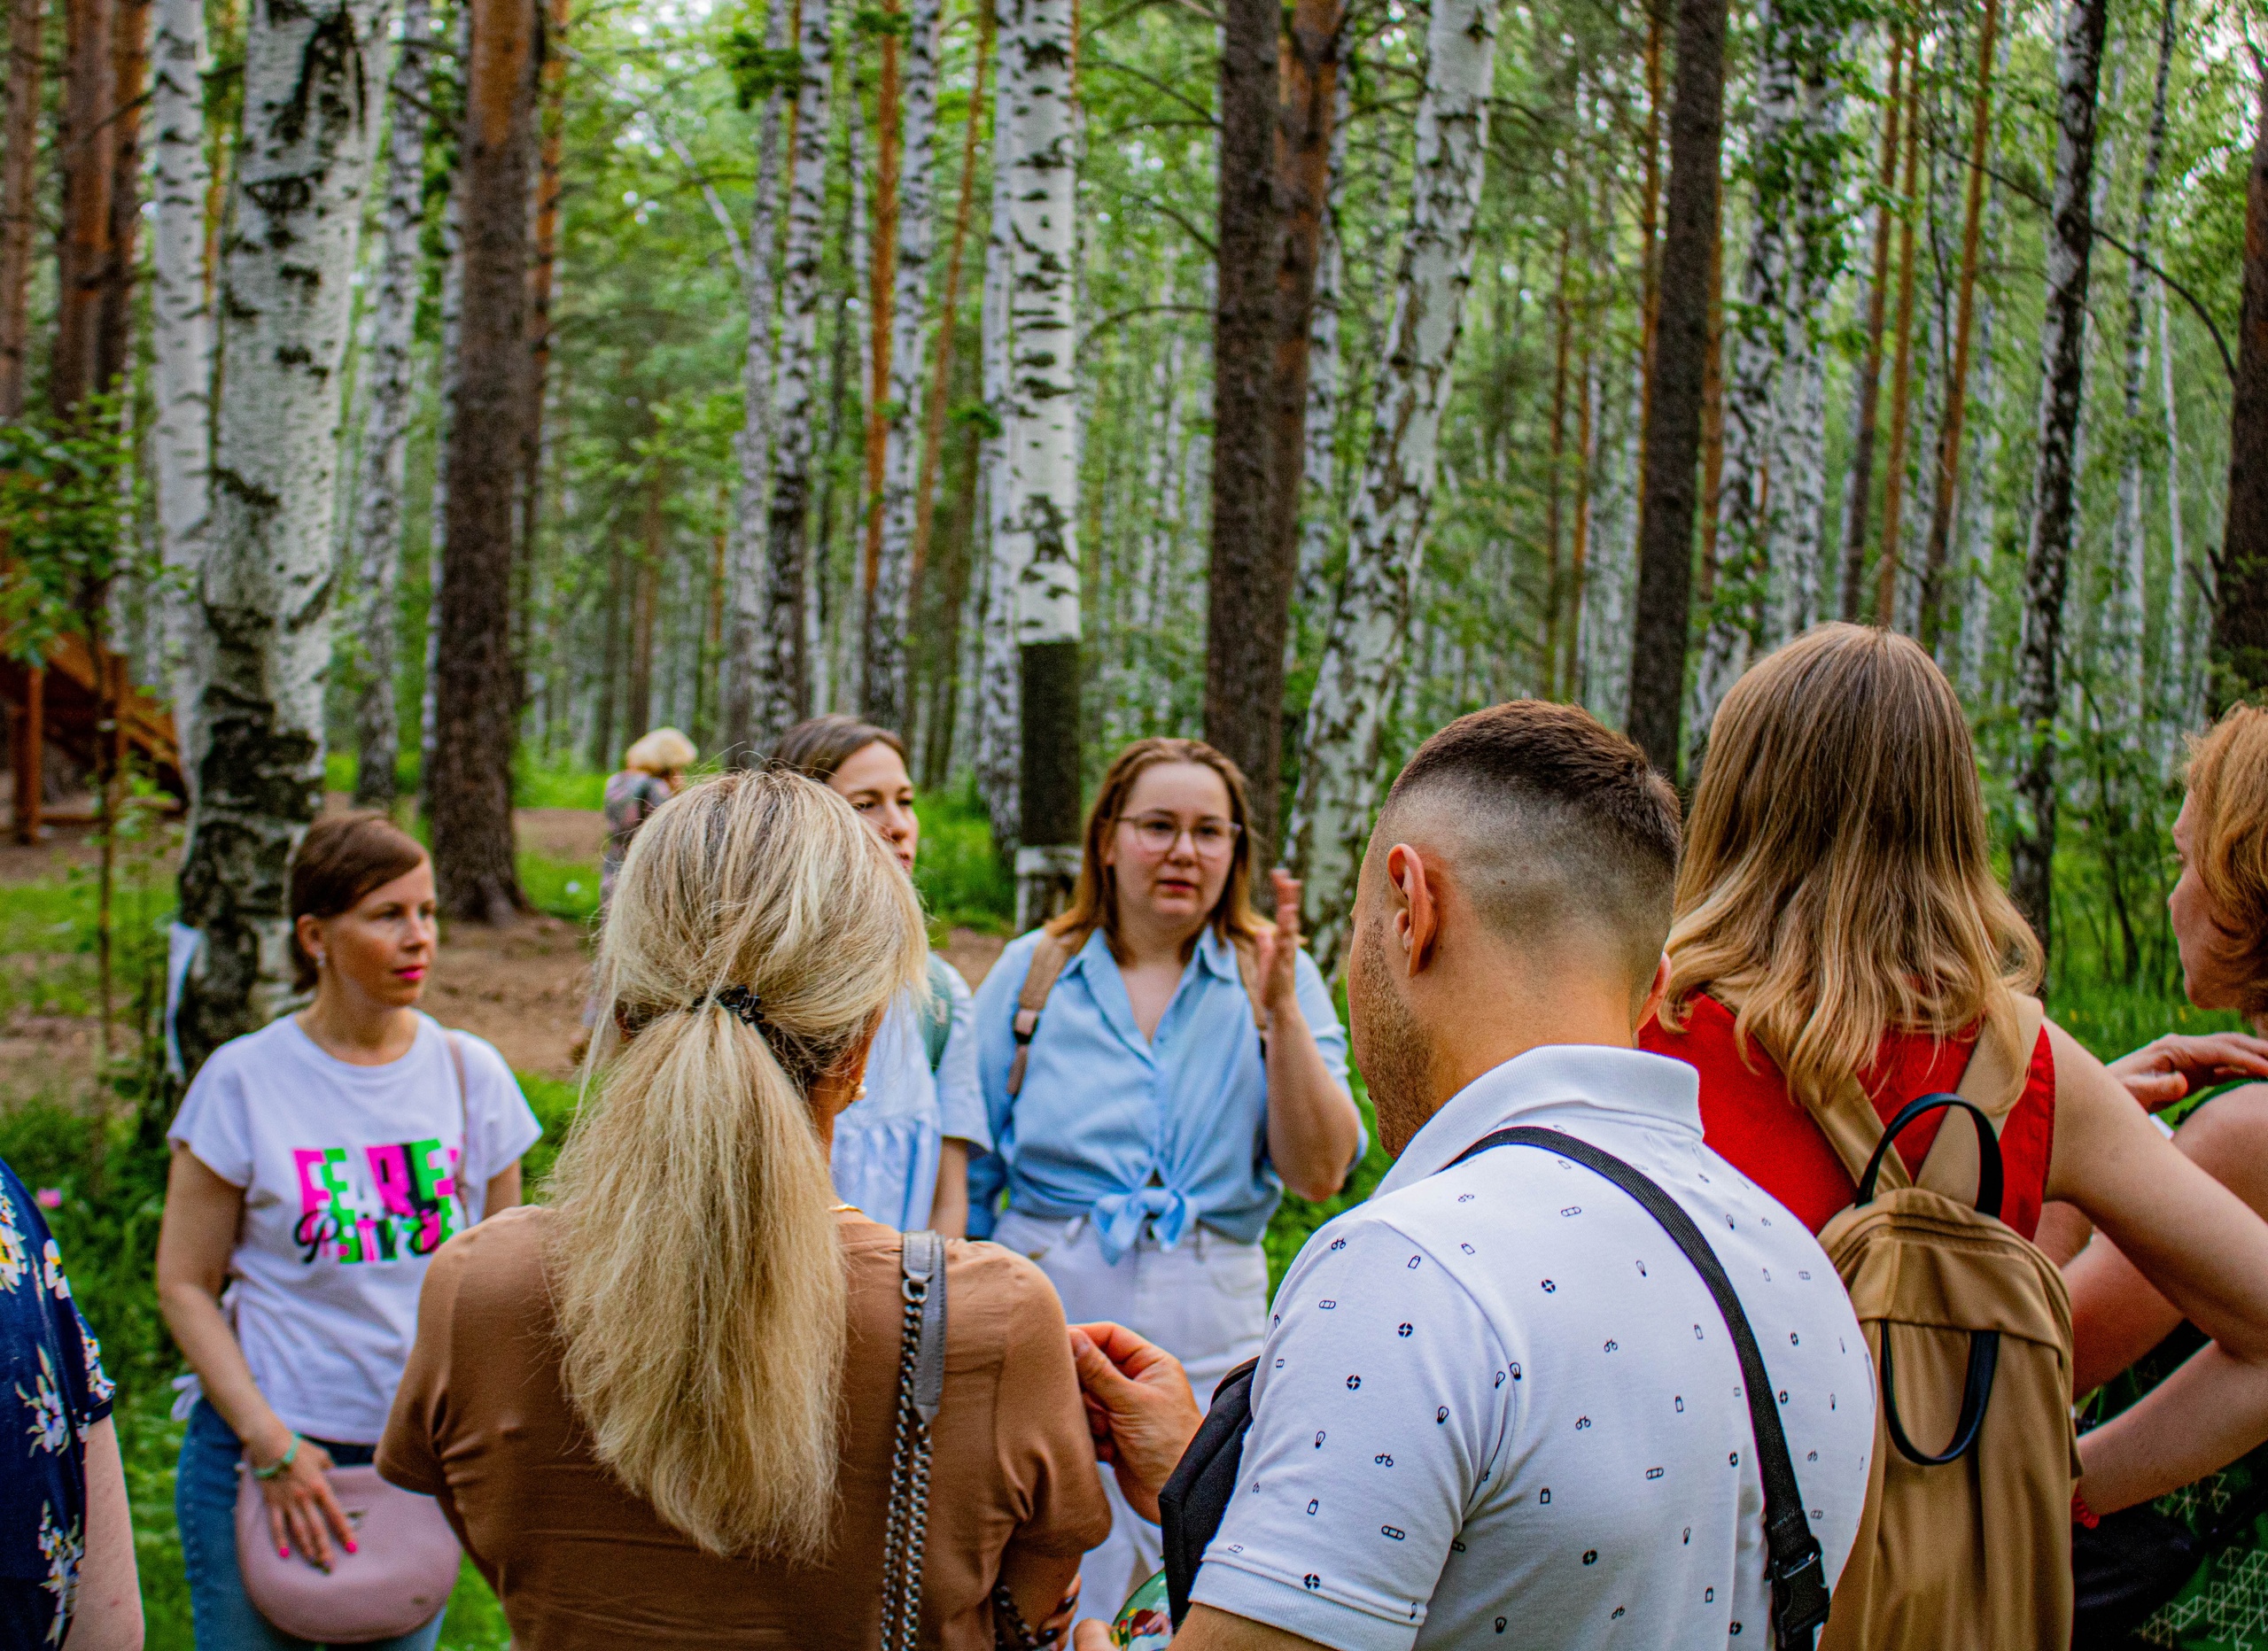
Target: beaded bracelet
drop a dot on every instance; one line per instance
(280, 1463)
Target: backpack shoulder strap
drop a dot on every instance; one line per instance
(1992, 1082)
(937, 1017)
(1792, 1567)
(1048, 959)
(1248, 971)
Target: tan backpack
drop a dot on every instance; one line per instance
(1056, 950)
(1966, 1539)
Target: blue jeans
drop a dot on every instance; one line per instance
(204, 1505)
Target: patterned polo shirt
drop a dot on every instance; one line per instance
(1498, 1406)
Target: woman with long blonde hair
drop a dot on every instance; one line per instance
(659, 1411)
(1838, 929)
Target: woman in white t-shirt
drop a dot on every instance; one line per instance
(317, 1165)
(901, 1150)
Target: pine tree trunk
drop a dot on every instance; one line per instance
(2062, 349)
(1361, 666)
(2240, 636)
(448, 369)
(19, 200)
(130, 56)
(1673, 441)
(999, 738)
(85, 148)
(477, 696)
(781, 679)
(181, 369)
(1947, 467)
(1248, 590)
(390, 389)
(1901, 372)
(551, 143)
(1563, 312)
(1042, 426)
(262, 604)
(1650, 212)
(1305, 147)
(2123, 612)
(745, 643)
(888, 698)
(1858, 499)
(933, 410)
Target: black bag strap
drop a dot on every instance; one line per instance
(1799, 1594)
(1983, 1346)
(921, 1390)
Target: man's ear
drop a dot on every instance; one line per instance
(1416, 907)
(1655, 993)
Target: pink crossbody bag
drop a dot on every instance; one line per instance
(406, 1557)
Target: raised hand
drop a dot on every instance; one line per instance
(2164, 1071)
(1277, 954)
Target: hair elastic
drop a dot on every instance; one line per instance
(740, 999)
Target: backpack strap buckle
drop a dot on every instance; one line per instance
(1799, 1594)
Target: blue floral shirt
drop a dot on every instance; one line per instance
(52, 1391)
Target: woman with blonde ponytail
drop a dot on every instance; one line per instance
(659, 1410)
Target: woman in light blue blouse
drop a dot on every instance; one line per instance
(901, 1150)
(1143, 1129)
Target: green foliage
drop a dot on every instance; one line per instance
(961, 878)
(66, 496)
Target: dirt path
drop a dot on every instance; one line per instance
(522, 989)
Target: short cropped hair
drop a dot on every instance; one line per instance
(1560, 825)
(342, 858)
(2228, 825)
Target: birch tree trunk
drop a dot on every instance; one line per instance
(887, 697)
(2122, 613)
(389, 389)
(745, 642)
(1768, 502)
(263, 601)
(180, 367)
(1358, 675)
(1673, 435)
(1866, 403)
(1000, 739)
(2186, 603)
(781, 679)
(19, 200)
(2240, 636)
(1901, 373)
(1043, 387)
(1977, 535)
(477, 691)
(1321, 465)
(2062, 349)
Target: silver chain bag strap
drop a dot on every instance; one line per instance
(921, 1386)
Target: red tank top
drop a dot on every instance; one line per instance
(1748, 1115)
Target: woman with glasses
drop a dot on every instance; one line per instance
(1159, 1065)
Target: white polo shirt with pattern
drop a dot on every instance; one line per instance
(1498, 1406)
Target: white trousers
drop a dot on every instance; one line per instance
(1204, 1301)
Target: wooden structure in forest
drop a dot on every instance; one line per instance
(63, 703)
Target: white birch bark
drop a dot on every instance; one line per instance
(1975, 507)
(1357, 677)
(2122, 655)
(752, 446)
(1771, 503)
(181, 371)
(998, 739)
(1321, 464)
(2189, 606)
(263, 601)
(387, 388)
(781, 681)
(1043, 382)
(902, 436)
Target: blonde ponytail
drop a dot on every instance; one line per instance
(698, 1276)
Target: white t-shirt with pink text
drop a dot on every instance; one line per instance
(354, 1176)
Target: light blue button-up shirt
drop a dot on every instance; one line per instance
(1132, 1131)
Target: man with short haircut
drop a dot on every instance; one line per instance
(1497, 1405)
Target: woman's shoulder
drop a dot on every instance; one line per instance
(994, 1296)
(502, 1255)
